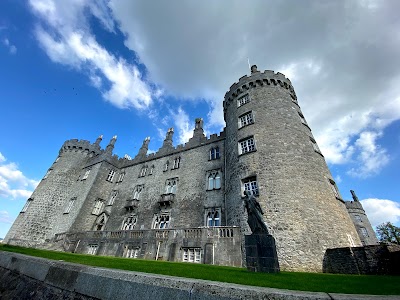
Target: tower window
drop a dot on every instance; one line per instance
(137, 191)
(214, 180)
(170, 186)
(69, 206)
(111, 175)
(213, 217)
(112, 197)
(129, 222)
(98, 206)
(192, 255)
(177, 162)
(250, 184)
(143, 171)
(28, 202)
(243, 100)
(246, 119)
(214, 153)
(247, 145)
(86, 175)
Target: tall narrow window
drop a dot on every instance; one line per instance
(247, 145)
(129, 222)
(121, 176)
(86, 175)
(170, 186)
(166, 166)
(250, 184)
(113, 196)
(213, 217)
(214, 153)
(143, 171)
(161, 221)
(137, 191)
(111, 175)
(177, 162)
(28, 202)
(92, 249)
(192, 255)
(69, 205)
(334, 188)
(151, 170)
(47, 173)
(246, 119)
(98, 206)
(214, 180)
(243, 100)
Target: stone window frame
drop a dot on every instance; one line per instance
(250, 184)
(212, 217)
(92, 249)
(246, 119)
(86, 174)
(166, 166)
(214, 153)
(137, 191)
(161, 220)
(27, 204)
(47, 173)
(247, 145)
(129, 222)
(111, 175)
(100, 220)
(171, 185)
(132, 252)
(334, 188)
(69, 206)
(364, 232)
(191, 254)
(143, 171)
(98, 206)
(112, 198)
(211, 177)
(243, 100)
(121, 176)
(177, 162)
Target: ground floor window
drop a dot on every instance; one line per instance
(132, 252)
(161, 221)
(192, 255)
(92, 249)
(129, 223)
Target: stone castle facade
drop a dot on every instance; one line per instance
(185, 203)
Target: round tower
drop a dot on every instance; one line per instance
(272, 153)
(48, 210)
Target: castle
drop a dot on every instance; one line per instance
(185, 203)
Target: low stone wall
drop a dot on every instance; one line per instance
(368, 260)
(25, 277)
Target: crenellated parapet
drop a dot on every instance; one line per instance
(81, 145)
(258, 79)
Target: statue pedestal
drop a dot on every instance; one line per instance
(261, 253)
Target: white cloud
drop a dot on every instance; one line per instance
(184, 127)
(13, 183)
(66, 38)
(11, 48)
(381, 210)
(5, 217)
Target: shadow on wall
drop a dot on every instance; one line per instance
(383, 259)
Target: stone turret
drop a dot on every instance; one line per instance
(167, 144)
(272, 153)
(198, 133)
(143, 150)
(110, 146)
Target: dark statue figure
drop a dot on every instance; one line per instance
(254, 212)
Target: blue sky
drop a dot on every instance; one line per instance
(80, 68)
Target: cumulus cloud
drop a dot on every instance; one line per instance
(65, 35)
(183, 125)
(381, 210)
(338, 62)
(13, 183)
(5, 217)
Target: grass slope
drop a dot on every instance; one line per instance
(315, 282)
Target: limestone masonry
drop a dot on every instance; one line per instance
(185, 203)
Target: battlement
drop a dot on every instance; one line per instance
(81, 145)
(257, 78)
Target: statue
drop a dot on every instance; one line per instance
(254, 212)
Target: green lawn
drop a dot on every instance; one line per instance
(317, 282)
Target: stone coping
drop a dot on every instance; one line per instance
(113, 284)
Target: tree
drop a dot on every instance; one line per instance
(389, 233)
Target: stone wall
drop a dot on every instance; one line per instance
(369, 260)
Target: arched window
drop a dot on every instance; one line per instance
(170, 186)
(213, 216)
(214, 153)
(177, 162)
(137, 191)
(143, 171)
(161, 221)
(101, 222)
(214, 180)
(129, 222)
